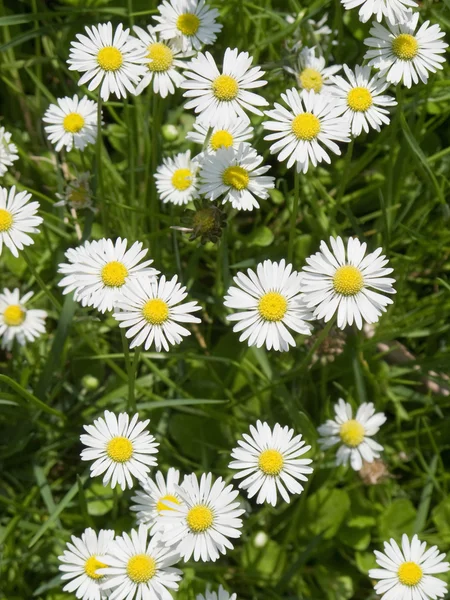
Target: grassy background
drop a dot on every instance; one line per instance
(203, 395)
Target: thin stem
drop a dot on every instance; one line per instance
(154, 221)
(293, 216)
(98, 163)
(41, 282)
(320, 338)
(131, 366)
(344, 178)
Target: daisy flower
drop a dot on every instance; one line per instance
(208, 516)
(18, 218)
(236, 175)
(191, 22)
(304, 132)
(221, 594)
(341, 280)
(404, 55)
(72, 123)
(361, 99)
(408, 572)
(219, 98)
(140, 568)
(394, 10)
(77, 193)
(150, 310)
(229, 136)
(112, 59)
(81, 561)
(176, 179)
(8, 151)
(100, 271)
(268, 460)
(268, 302)
(311, 72)
(18, 322)
(355, 434)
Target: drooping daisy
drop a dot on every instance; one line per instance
(268, 302)
(269, 461)
(120, 448)
(231, 136)
(191, 22)
(72, 123)
(151, 312)
(18, 218)
(140, 568)
(81, 561)
(361, 99)
(311, 72)
(345, 280)
(77, 194)
(394, 10)
(18, 322)
(202, 525)
(112, 59)
(219, 98)
(176, 179)
(409, 571)
(402, 54)
(8, 151)
(355, 434)
(305, 132)
(100, 271)
(221, 594)
(236, 175)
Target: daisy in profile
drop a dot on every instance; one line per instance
(72, 122)
(361, 99)
(140, 568)
(151, 311)
(221, 594)
(237, 176)
(403, 54)
(176, 179)
(354, 434)
(18, 218)
(311, 72)
(99, 271)
(306, 130)
(269, 461)
(230, 136)
(77, 193)
(17, 321)
(192, 23)
(220, 97)
(112, 59)
(81, 561)
(409, 571)
(394, 10)
(347, 281)
(208, 516)
(269, 302)
(120, 448)
(8, 151)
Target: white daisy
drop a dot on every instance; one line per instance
(72, 123)
(18, 218)
(219, 98)
(150, 310)
(408, 572)
(80, 563)
(269, 460)
(113, 59)
(120, 448)
(77, 194)
(140, 568)
(236, 175)
(402, 54)
(311, 72)
(355, 434)
(268, 302)
(8, 151)
(394, 10)
(18, 322)
(231, 136)
(305, 132)
(361, 99)
(202, 525)
(221, 594)
(100, 271)
(176, 179)
(191, 22)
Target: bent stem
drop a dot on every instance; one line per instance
(293, 216)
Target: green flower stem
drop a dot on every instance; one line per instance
(99, 192)
(41, 282)
(294, 214)
(320, 338)
(344, 178)
(131, 366)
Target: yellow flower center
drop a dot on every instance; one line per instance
(119, 449)
(236, 177)
(359, 99)
(272, 306)
(141, 568)
(110, 58)
(352, 433)
(6, 219)
(161, 57)
(91, 566)
(188, 24)
(271, 462)
(405, 46)
(306, 126)
(160, 505)
(155, 311)
(73, 123)
(221, 139)
(200, 518)
(225, 88)
(348, 280)
(114, 274)
(182, 179)
(310, 79)
(13, 315)
(410, 573)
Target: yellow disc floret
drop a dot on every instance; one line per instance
(114, 274)
(155, 311)
(13, 315)
(236, 177)
(221, 139)
(188, 24)
(359, 99)
(182, 179)
(225, 88)
(73, 123)
(119, 449)
(110, 58)
(348, 280)
(405, 46)
(272, 306)
(161, 57)
(310, 79)
(306, 126)
(141, 568)
(352, 433)
(271, 462)
(410, 573)
(200, 518)
(91, 566)
(161, 504)
(6, 219)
